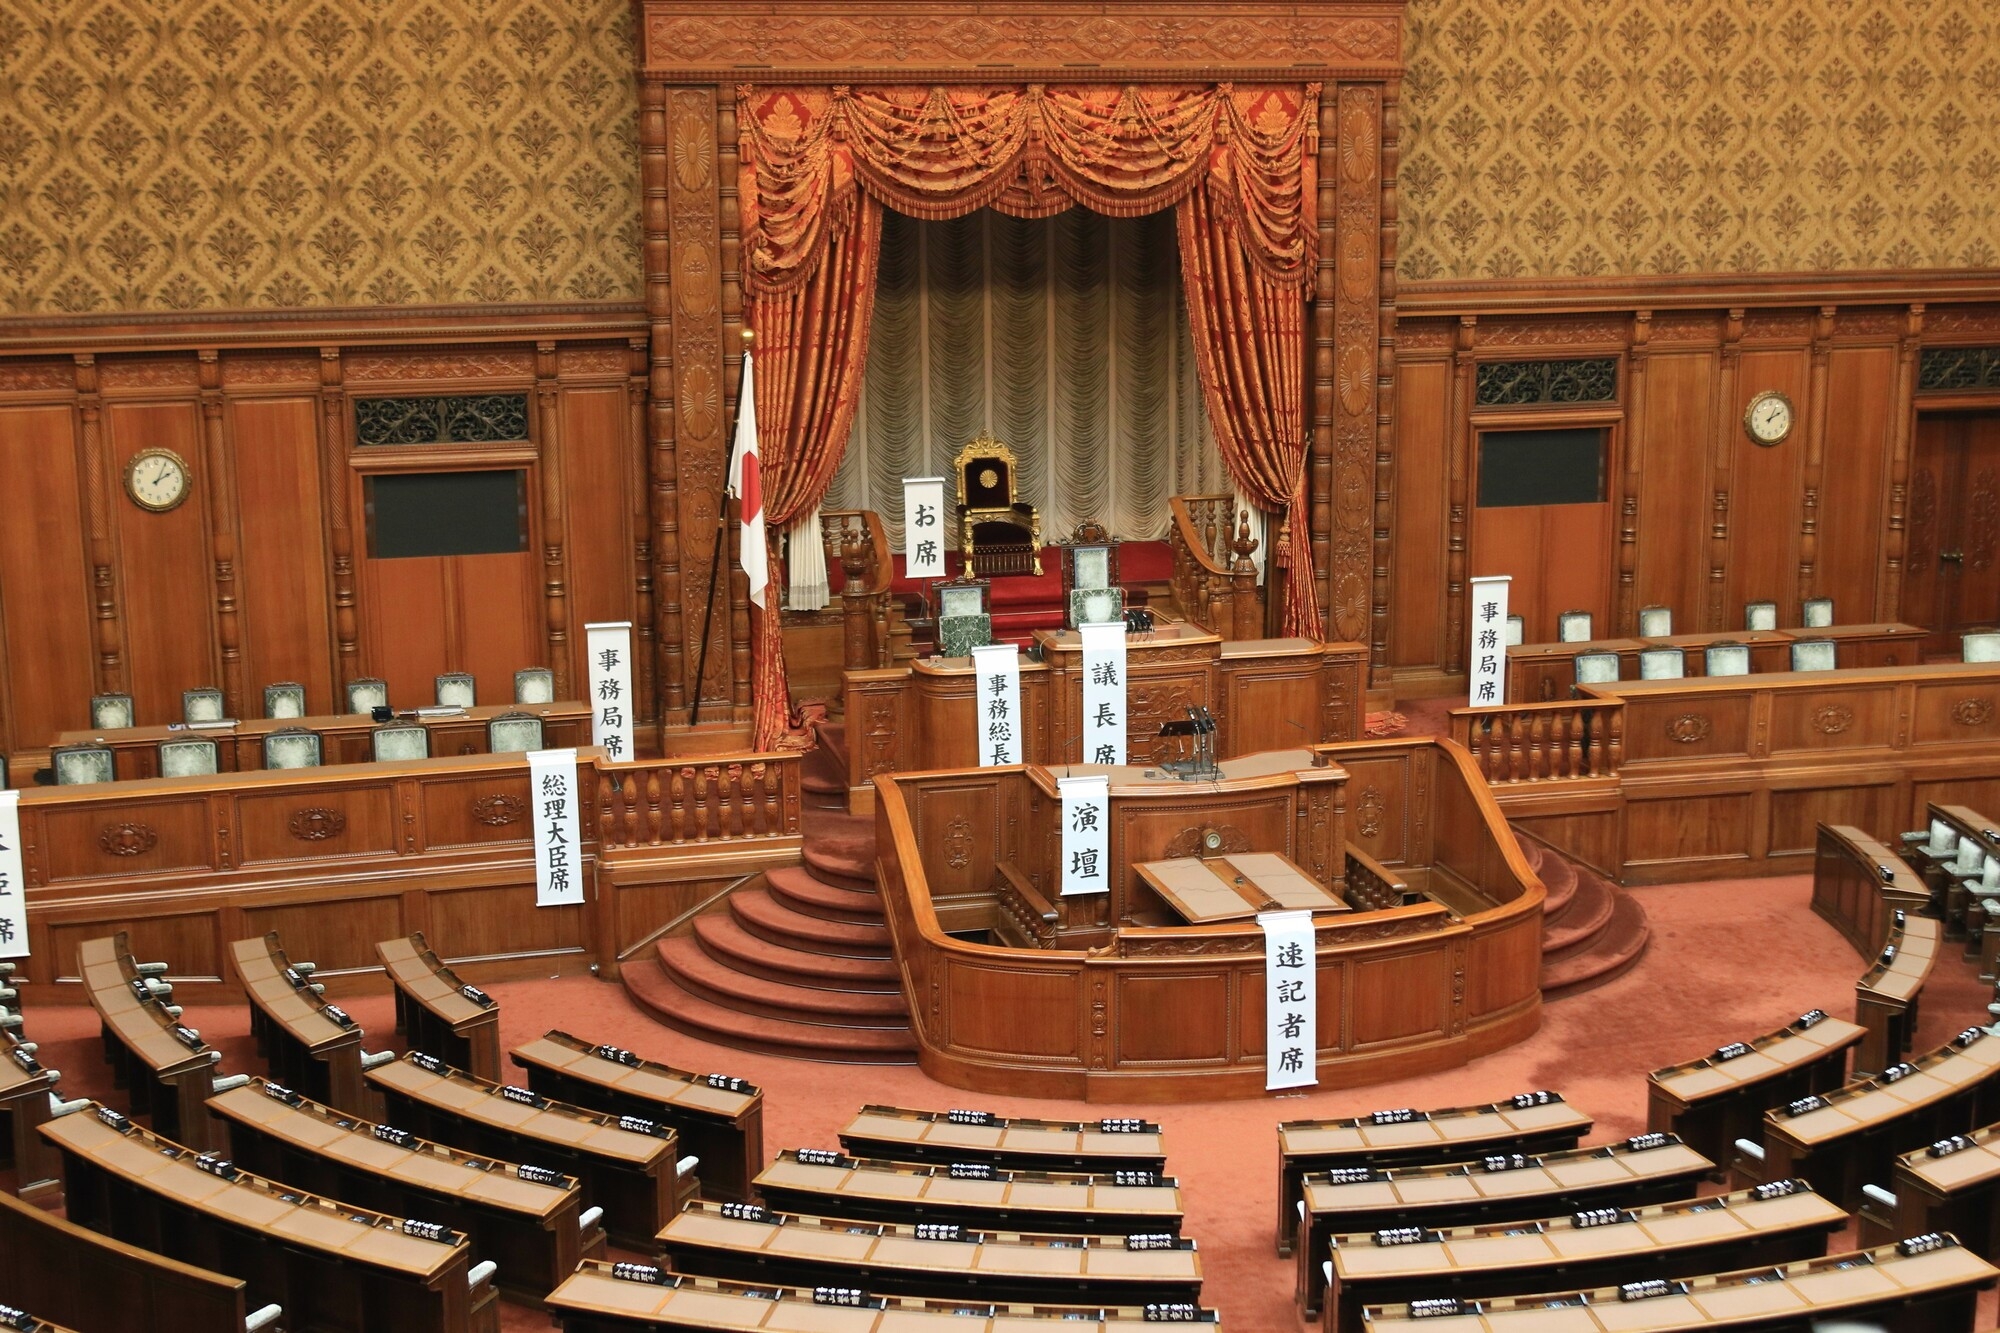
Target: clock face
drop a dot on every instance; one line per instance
(156, 479)
(1768, 418)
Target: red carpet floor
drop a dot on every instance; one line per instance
(1728, 961)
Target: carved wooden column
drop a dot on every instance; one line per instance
(665, 507)
(222, 521)
(1723, 447)
(1458, 450)
(548, 448)
(730, 238)
(1357, 334)
(1815, 469)
(340, 530)
(1385, 395)
(646, 708)
(1248, 615)
(97, 513)
(1889, 591)
(1626, 612)
(1320, 462)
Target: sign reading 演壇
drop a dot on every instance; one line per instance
(609, 647)
(1086, 834)
(1103, 693)
(923, 527)
(558, 850)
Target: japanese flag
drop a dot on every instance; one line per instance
(746, 483)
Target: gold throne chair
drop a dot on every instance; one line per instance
(997, 534)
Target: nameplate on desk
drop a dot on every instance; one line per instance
(617, 1055)
(438, 710)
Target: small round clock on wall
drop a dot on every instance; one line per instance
(156, 479)
(1768, 419)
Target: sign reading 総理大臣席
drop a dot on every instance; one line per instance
(558, 851)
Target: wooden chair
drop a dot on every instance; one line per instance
(195, 757)
(997, 533)
(76, 765)
(1817, 612)
(1662, 663)
(286, 698)
(1759, 617)
(110, 712)
(292, 747)
(455, 689)
(534, 685)
(1726, 658)
(1655, 622)
(366, 694)
(1573, 627)
(399, 741)
(513, 733)
(201, 705)
(1813, 655)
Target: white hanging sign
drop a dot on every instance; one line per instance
(1291, 1000)
(558, 853)
(610, 650)
(1104, 693)
(13, 880)
(923, 527)
(1487, 658)
(997, 670)
(1086, 834)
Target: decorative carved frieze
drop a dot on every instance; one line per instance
(128, 839)
(317, 824)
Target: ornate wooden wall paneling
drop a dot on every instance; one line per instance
(221, 488)
(340, 529)
(661, 415)
(1457, 413)
(555, 585)
(97, 523)
(730, 222)
(1723, 446)
(1889, 592)
(640, 491)
(1385, 393)
(1815, 462)
(1635, 449)
(1357, 353)
(1324, 288)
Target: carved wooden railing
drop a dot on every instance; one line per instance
(680, 803)
(1372, 887)
(1214, 581)
(875, 631)
(1552, 742)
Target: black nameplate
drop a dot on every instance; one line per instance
(1121, 1126)
(426, 1230)
(1651, 1289)
(423, 1060)
(1436, 1307)
(1506, 1162)
(188, 1037)
(1924, 1244)
(1599, 1217)
(971, 1170)
(402, 1138)
(1648, 1142)
(639, 1273)
(1887, 956)
(616, 1054)
(726, 1083)
(477, 996)
(1806, 1105)
(1946, 1147)
(1779, 1189)
(638, 1124)
(525, 1096)
(1141, 1178)
(1897, 1072)
(113, 1119)
(28, 1063)
(940, 1231)
(216, 1166)
(20, 1320)
(1151, 1240)
(1402, 1115)
(818, 1156)
(746, 1212)
(292, 976)
(338, 1015)
(1733, 1051)
(962, 1117)
(278, 1092)
(1810, 1018)
(1902, 918)
(851, 1297)
(1404, 1236)
(1171, 1312)
(1967, 1037)
(1521, 1101)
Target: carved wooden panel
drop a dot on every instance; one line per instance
(1689, 829)
(1796, 813)
(1494, 964)
(1180, 1019)
(485, 922)
(1357, 279)
(1378, 808)
(336, 935)
(298, 823)
(475, 811)
(1402, 997)
(187, 942)
(958, 827)
(1688, 728)
(92, 842)
(1832, 719)
(1032, 1013)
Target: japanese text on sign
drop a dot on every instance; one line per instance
(552, 794)
(997, 729)
(13, 886)
(1486, 658)
(1086, 834)
(1103, 693)
(923, 527)
(611, 699)
(1291, 1000)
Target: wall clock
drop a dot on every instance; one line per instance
(1768, 418)
(157, 479)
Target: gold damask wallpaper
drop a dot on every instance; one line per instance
(190, 154)
(1547, 138)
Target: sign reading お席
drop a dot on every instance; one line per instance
(923, 527)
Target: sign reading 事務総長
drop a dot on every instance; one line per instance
(558, 853)
(997, 670)
(1291, 1000)
(1486, 659)
(923, 527)
(609, 647)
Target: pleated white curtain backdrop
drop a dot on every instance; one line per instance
(1065, 338)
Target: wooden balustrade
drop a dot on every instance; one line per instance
(1552, 742)
(1208, 584)
(675, 803)
(1372, 887)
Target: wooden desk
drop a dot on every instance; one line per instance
(1858, 883)
(334, 1267)
(1939, 869)
(1234, 888)
(527, 1226)
(93, 1284)
(1957, 1191)
(1018, 1142)
(1896, 645)
(24, 1103)
(1533, 1122)
(717, 1118)
(309, 1044)
(1849, 1137)
(596, 1299)
(435, 1012)
(627, 1165)
(1935, 1292)
(1714, 1101)
(1885, 999)
(1539, 672)
(906, 1261)
(1770, 650)
(1620, 1175)
(344, 738)
(165, 1068)
(873, 1190)
(1708, 1235)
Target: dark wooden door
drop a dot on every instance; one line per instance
(1951, 577)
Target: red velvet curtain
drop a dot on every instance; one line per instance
(817, 164)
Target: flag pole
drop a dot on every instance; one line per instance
(721, 536)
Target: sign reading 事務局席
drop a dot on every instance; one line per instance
(1103, 693)
(609, 647)
(1291, 1000)
(997, 670)
(923, 527)
(1486, 660)
(558, 850)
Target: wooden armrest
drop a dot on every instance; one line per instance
(1041, 906)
